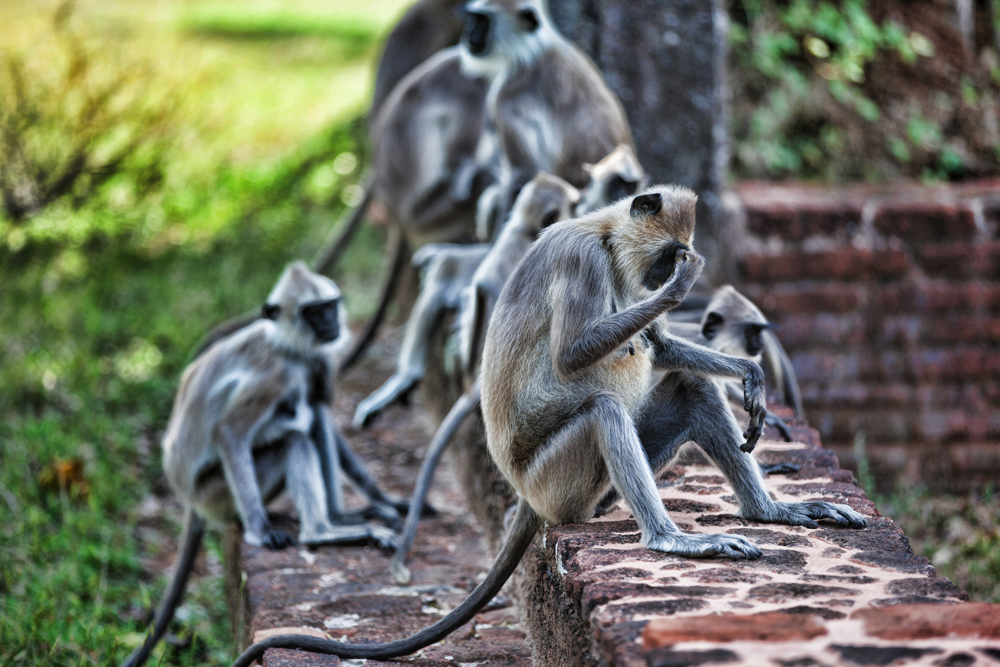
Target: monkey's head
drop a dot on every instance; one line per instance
(544, 201)
(306, 309)
(504, 34)
(645, 233)
(616, 176)
(734, 325)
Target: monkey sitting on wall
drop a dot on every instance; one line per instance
(570, 408)
(733, 324)
(253, 417)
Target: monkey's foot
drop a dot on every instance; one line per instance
(705, 546)
(779, 468)
(383, 537)
(384, 512)
(809, 513)
(779, 424)
(396, 388)
(273, 538)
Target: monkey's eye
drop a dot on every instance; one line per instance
(619, 188)
(550, 218)
(271, 311)
(528, 20)
(710, 327)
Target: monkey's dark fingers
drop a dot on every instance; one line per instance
(779, 468)
(277, 539)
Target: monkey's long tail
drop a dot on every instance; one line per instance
(780, 368)
(521, 533)
(396, 256)
(194, 530)
(466, 403)
(334, 247)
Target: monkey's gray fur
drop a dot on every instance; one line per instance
(548, 104)
(616, 176)
(542, 202)
(568, 407)
(253, 417)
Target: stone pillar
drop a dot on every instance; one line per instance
(665, 59)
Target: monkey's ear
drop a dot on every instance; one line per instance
(646, 204)
(528, 20)
(711, 326)
(270, 311)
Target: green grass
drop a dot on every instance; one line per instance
(103, 299)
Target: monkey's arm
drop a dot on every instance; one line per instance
(583, 333)
(674, 354)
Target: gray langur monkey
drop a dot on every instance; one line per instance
(616, 176)
(545, 200)
(733, 324)
(447, 269)
(253, 417)
(568, 405)
(427, 27)
(548, 104)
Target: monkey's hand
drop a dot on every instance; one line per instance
(755, 403)
(687, 267)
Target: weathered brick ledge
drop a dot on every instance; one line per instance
(589, 594)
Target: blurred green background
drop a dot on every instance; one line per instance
(161, 161)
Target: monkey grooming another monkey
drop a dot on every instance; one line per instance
(568, 405)
(253, 417)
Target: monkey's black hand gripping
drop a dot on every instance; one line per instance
(755, 403)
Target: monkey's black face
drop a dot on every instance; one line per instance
(663, 266)
(322, 317)
(477, 32)
(619, 188)
(752, 339)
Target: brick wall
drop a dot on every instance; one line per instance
(888, 301)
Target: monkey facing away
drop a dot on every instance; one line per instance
(568, 406)
(253, 417)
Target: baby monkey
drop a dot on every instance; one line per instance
(252, 418)
(569, 407)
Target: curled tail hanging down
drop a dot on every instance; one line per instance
(519, 537)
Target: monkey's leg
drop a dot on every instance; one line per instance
(305, 484)
(241, 476)
(412, 363)
(565, 470)
(715, 429)
(396, 256)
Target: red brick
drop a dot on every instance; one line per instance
(937, 365)
(940, 426)
(811, 298)
(971, 397)
(821, 330)
(799, 221)
(925, 621)
(959, 329)
(845, 263)
(936, 297)
(885, 425)
(764, 627)
(925, 221)
(961, 260)
(862, 396)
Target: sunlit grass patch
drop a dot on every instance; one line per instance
(218, 21)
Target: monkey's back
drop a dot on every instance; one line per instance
(524, 398)
(429, 125)
(563, 84)
(233, 369)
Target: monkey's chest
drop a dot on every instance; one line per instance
(626, 371)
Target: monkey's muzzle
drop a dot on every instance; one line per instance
(322, 317)
(477, 30)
